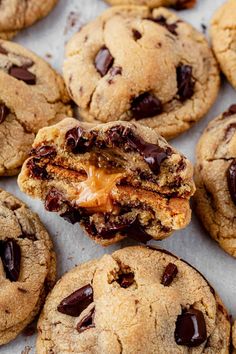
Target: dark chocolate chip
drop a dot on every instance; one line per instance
(11, 258)
(77, 302)
(103, 61)
(169, 274)
(77, 142)
(87, 322)
(21, 73)
(230, 111)
(46, 151)
(185, 82)
(184, 4)
(146, 105)
(230, 130)
(171, 27)
(72, 215)
(3, 50)
(231, 178)
(4, 111)
(115, 70)
(136, 34)
(190, 328)
(53, 200)
(137, 232)
(126, 280)
(37, 171)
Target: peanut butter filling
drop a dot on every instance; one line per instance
(95, 191)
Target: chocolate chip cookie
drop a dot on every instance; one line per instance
(32, 96)
(215, 177)
(223, 34)
(177, 4)
(19, 14)
(27, 266)
(117, 179)
(134, 64)
(137, 300)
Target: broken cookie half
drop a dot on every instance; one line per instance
(117, 179)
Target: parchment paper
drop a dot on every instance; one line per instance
(47, 38)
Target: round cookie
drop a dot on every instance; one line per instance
(215, 177)
(223, 35)
(32, 96)
(18, 14)
(27, 266)
(116, 179)
(140, 65)
(177, 4)
(137, 300)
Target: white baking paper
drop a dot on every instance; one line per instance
(47, 38)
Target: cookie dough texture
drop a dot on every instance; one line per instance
(117, 179)
(140, 318)
(223, 34)
(179, 4)
(32, 96)
(19, 14)
(132, 63)
(20, 300)
(216, 151)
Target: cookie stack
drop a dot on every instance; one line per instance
(138, 75)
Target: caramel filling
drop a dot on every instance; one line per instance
(95, 191)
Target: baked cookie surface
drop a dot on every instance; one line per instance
(117, 179)
(19, 14)
(215, 177)
(135, 64)
(177, 4)
(223, 34)
(27, 266)
(32, 96)
(137, 300)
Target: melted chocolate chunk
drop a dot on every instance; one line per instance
(171, 27)
(21, 73)
(72, 215)
(145, 106)
(231, 111)
(46, 151)
(77, 302)
(231, 178)
(77, 142)
(87, 322)
(4, 111)
(37, 171)
(190, 328)
(103, 61)
(11, 258)
(185, 82)
(184, 4)
(136, 34)
(153, 154)
(169, 274)
(137, 232)
(53, 200)
(126, 280)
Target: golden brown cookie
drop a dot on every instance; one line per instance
(223, 34)
(215, 177)
(32, 96)
(134, 64)
(117, 179)
(27, 266)
(19, 14)
(137, 300)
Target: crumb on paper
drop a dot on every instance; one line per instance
(48, 55)
(72, 22)
(26, 350)
(204, 28)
